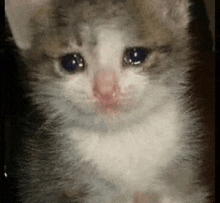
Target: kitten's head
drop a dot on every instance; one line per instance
(92, 60)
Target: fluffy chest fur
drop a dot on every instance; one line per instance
(110, 80)
(135, 155)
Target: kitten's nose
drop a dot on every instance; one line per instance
(106, 86)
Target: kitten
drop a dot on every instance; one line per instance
(108, 81)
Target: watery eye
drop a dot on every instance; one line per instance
(135, 56)
(72, 63)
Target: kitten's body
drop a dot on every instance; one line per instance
(111, 129)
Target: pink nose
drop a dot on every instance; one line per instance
(105, 86)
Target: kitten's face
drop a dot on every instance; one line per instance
(98, 66)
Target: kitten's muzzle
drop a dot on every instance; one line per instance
(106, 89)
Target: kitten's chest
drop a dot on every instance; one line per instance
(133, 155)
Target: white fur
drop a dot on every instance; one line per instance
(143, 138)
(133, 156)
(110, 47)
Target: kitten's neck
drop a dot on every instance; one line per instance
(166, 119)
(154, 141)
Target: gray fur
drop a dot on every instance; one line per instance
(53, 168)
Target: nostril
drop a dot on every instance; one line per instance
(106, 92)
(105, 96)
(105, 85)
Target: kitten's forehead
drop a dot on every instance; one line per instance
(69, 16)
(82, 24)
(110, 47)
(88, 11)
(84, 14)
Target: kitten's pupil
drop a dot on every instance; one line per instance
(135, 56)
(72, 62)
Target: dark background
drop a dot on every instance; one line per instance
(12, 102)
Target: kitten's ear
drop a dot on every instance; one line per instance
(19, 13)
(175, 13)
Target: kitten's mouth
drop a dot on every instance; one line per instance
(109, 106)
(113, 105)
(106, 92)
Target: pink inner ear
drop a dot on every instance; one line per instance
(19, 13)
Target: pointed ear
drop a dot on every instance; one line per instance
(19, 13)
(175, 13)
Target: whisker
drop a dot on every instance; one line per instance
(43, 127)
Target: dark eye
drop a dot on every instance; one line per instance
(135, 56)
(73, 63)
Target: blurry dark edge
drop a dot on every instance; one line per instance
(203, 79)
(12, 105)
(12, 101)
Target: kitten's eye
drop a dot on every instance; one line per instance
(135, 56)
(73, 63)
